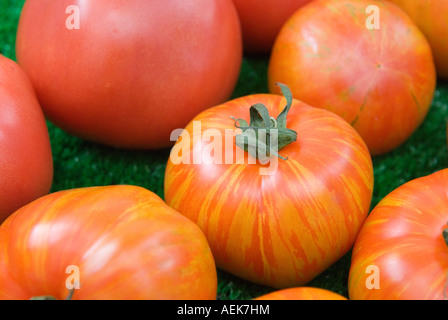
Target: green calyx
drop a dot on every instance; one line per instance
(69, 296)
(264, 136)
(43, 298)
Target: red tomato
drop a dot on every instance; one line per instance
(380, 81)
(302, 293)
(284, 226)
(262, 20)
(403, 242)
(432, 18)
(124, 240)
(26, 164)
(134, 70)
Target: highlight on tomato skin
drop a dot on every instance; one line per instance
(401, 252)
(302, 293)
(283, 228)
(381, 81)
(26, 160)
(104, 243)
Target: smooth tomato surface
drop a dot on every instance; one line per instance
(126, 242)
(261, 20)
(432, 18)
(403, 239)
(381, 81)
(285, 226)
(26, 164)
(134, 70)
(302, 293)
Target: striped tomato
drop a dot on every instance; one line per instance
(302, 293)
(282, 221)
(381, 81)
(402, 250)
(123, 242)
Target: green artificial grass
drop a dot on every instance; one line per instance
(79, 163)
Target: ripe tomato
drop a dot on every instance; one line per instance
(279, 222)
(380, 81)
(134, 70)
(302, 293)
(262, 20)
(431, 16)
(403, 242)
(125, 242)
(26, 164)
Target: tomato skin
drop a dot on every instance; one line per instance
(431, 18)
(262, 20)
(302, 293)
(135, 70)
(279, 230)
(380, 81)
(403, 238)
(127, 243)
(26, 162)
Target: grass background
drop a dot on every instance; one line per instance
(79, 163)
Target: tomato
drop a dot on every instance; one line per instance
(118, 242)
(401, 252)
(134, 70)
(431, 17)
(262, 20)
(274, 222)
(381, 81)
(301, 293)
(26, 164)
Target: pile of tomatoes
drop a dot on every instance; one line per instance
(273, 188)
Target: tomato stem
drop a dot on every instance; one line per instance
(264, 136)
(70, 294)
